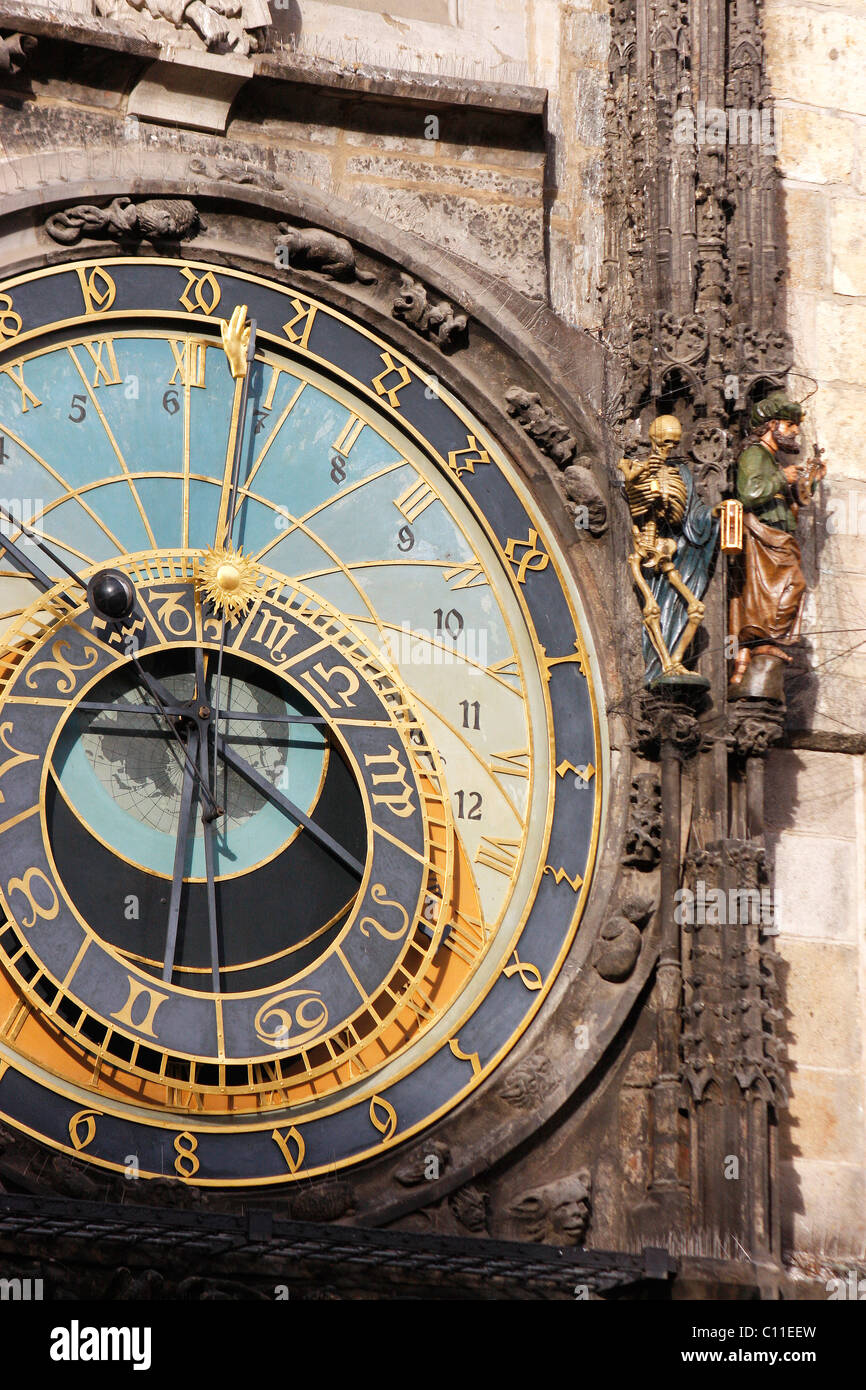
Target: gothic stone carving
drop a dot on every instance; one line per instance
(223, 26)
(643, 838)
(583, 499)
(618, 946)
(235, 171)
(529, 1083)
(469, 1207)
(667, 718)
(436, 321)
(557, 1213)
(550, 434)
(585, 504)
(325, 1201)
(15, 51)
(692, 247)
(157, 219)
(731, 1009)
(754, 726)
(323, 253)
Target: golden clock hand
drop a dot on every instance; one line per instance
(239, 344)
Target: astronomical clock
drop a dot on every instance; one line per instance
(303, 765)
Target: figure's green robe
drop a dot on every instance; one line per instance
(763, 489)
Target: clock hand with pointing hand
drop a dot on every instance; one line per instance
(239, 345)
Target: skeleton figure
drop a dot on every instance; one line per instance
(673, 537)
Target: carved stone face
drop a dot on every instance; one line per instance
(571, 1219)
(558, 1212)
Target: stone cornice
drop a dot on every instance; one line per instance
(431, 90)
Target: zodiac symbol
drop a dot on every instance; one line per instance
(534, 559)
(22, 885)
(197, 284)
(378, 893)
(66, 668)
(274, 1025)
(530, 975)
(7, 316)
(293, 1160)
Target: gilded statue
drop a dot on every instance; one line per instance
(673, 537)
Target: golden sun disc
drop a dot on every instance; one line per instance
(227, 579)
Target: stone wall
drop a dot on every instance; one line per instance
(519, 205)
(817, 790)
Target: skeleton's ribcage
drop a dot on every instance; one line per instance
(660, 495)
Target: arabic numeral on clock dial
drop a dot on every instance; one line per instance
(469, 809)
(450, 623)
(471, 714)
(405, 537)
(78, 410)
(170, 402)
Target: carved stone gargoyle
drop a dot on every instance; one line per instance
(223, 26)
(323, 253)
(156, 219)
(15, 51)
(557, 1213)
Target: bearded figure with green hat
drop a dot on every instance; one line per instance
(768, 585)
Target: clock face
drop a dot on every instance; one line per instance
(301, 775)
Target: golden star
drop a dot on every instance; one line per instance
(227, 579)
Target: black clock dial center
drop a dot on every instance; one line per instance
(123, 806)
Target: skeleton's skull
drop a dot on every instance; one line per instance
(665, 431)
